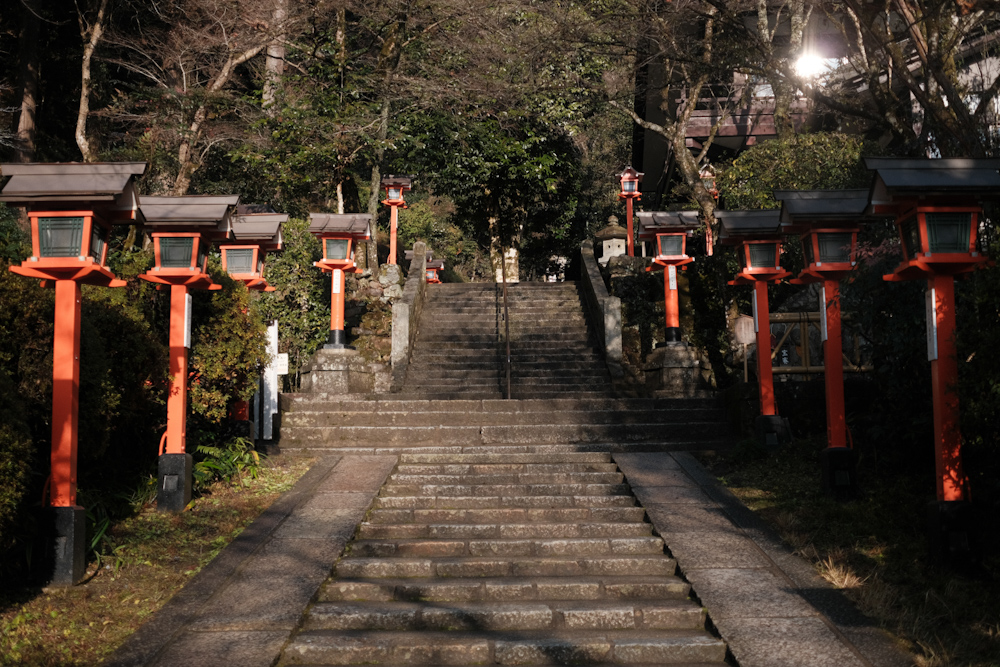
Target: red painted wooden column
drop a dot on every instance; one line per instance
(65, 393)
(630, 241)
(671, 301)
(765, 374)
(337, 305)
(393, 222)
(833, 367)
(951, 481)
(178, 389)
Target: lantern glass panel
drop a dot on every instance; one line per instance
(395, 194)
(949, 232)
(763, 255)
(628, 185)
(835, 247)
(430, 274)
(97, 240)
(202, 253)
(260, 267)
(909, 232)
(176, 252)
(807, 250)
(337, 248)
(670, 244)
(60, 237)
(239, 260)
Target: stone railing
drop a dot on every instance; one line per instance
(605, 310)
(406, 314)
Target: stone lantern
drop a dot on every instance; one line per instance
(613, 239)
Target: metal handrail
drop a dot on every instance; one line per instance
(506, 317)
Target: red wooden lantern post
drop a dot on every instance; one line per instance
(827, 221)
(71, 208)
(630, 179)
(394, 187)
(339, 235)
(182, 229)
(256, 235)
(757, 233)
(937, 205)
(669, 230)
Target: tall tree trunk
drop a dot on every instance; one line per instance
(29, 75)
(274, 64)
(91, 36)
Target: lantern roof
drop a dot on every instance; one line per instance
(408, 254)
(631, 173)
(203, 213)
(652, 223)
(253, 224)
(393, 181)
(738, 226)
(58, 185)
(906, 179)
(435, 264)
(357, 225)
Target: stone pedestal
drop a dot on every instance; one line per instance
(674, 371)
(174, 482)
(337, 371)
(69, 557)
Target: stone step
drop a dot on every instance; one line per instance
(467, 489)
(493, 468)
(502, 616)
(383, 531)
(508, 590)
(526, 566)
(481, 457)
(504, 548)
(293, 402)
(455, 419)
(547, 477)
(510, 516)
(633, 647)
(490, 502)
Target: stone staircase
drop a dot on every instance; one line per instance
(460, 348)
(505, 558)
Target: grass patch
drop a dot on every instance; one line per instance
(874, 549)
(145, 560)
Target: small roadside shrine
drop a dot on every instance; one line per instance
(72, 208)
(669, 232)
(757, 235)
(828, 222)
(182, 229)
(937, 205)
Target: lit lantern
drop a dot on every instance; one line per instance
(937, 205)
(394, 187)
(182, 229)
(256, 234)
(71, 208)
(669, 230)
(758, 235)
(827, 221)
(338, 235)
(629, 179)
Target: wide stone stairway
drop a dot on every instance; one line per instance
(506, 534)
(504, 558)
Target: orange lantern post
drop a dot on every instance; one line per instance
(71, 208)
(828, 222)
(339, 235)
(669, 231)
(758, 237)
(182, 229)
(938, 205)
(394, 187)
(630, 179)
(255, 234)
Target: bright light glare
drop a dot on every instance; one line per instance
(810, 65)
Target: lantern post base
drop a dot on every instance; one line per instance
(951, 533)
(772, 430)
(173, 490)
(839, 472)
(337, 340)
(69, 545)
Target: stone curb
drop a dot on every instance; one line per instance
(214, 619)
(769, 605)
